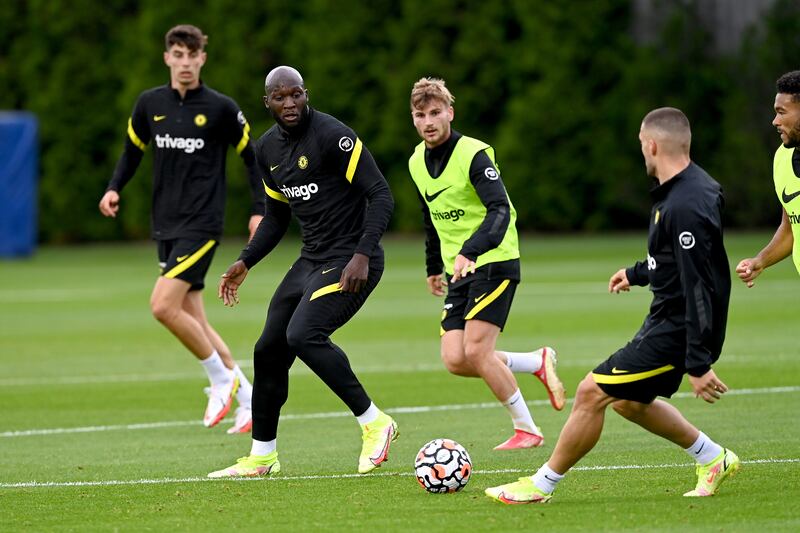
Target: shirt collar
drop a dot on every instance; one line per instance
(660, 191)
(190, 93)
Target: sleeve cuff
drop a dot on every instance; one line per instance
(698, 371)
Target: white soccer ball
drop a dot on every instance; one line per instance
(443, 465)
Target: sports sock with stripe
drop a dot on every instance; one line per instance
(520, 413)
(546, 479)
(704, 450)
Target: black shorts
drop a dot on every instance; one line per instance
(487, 300)
(186, 259)
(650, 365)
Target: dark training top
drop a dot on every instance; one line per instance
(322, 173)
(686, 266)
(494, 197)
(190, 141)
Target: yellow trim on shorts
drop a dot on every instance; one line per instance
(628, 378)
(245, 138)
(354, 157)
(275, 195)
(488, 299)
(327, 289)
(135, 138)
(191, 260)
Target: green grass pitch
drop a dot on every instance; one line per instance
(101, 407)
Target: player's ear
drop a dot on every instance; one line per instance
(306, 90)
(266, 101)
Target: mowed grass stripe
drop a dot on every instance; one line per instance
(340, 414)
(276, 478)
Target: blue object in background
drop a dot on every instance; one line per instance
(19, 169)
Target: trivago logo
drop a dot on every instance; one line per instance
(187, 144)
(303, 191)
(453, 214)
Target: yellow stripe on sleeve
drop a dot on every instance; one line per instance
(327, 289)
(189, 261)
(488, 299)
(354, 157)
(275, 195)
(628, 378)
(135, 138)
(245, 138)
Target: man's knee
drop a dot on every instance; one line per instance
(629, 409)
(589, 394)
(477, 352)
(163, 311)
(299, 338)
(270, 345)
(454, 361)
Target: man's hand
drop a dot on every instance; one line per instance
(252, 225)
(462, 267)
(229, 284)
(708, 387)
(436, 284)
(109, 204)
(748, 270)
(354, 276)
(619, 282)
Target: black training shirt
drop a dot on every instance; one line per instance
(190, 139)
(687, 266)
(322, 173)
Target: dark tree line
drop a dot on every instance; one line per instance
(558, 88)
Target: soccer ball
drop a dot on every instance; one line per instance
(443, 465)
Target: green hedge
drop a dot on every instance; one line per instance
(558, 88)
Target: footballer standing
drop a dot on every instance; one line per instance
(190, 127)
(318, 170)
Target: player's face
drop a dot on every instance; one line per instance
(184, 65)
(286, 103)
(787, 119)
(432, 121)
(648, 144)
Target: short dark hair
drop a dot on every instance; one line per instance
(186, 34)
(668, 118)
(789, 83)
(671, 126)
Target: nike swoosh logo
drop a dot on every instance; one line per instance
(272, 169)
(701, 449)
(789, 197)
(617, 371)
(328, 270)
(479, 298)
(182, 258)
(159, 118)
(431, 197)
